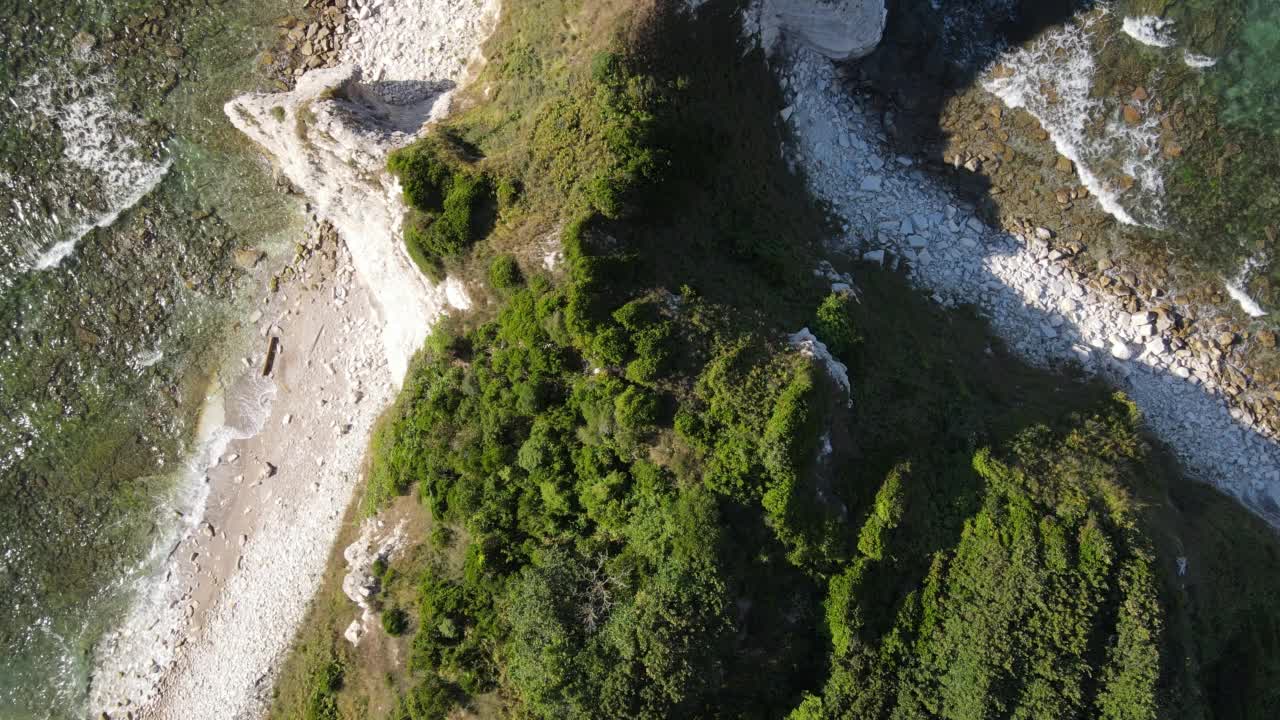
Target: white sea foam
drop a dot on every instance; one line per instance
(145, 359)
(1052, 79)
(98, 141)
(1150, 30)
(1236, 288)
(1198, 61)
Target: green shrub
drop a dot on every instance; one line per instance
(609, 347)
(441, 537)
(833, 325)
(394, 621)
(450, 205)
(457, 226)
(652, 353)
(324, 680)
(636, 408)
(885, 515)
(508, 193)
(504, 272)
(425, 177)
(418, 245)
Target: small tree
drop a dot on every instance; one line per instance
(394, 621)
(504, 272)
(833, 325)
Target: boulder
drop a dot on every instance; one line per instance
(836, 29)
(1120, 351)
(247, 258)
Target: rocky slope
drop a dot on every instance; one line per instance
(1053, 315)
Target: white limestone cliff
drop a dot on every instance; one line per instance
(330, 137)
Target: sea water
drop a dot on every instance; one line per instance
(124, 193)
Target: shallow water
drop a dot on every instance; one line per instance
(123, 195)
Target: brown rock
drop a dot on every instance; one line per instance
(1226, 339)
(1132, 115)
(1140, 93)
(247, 258)
(1267, 338)
(1065, 165)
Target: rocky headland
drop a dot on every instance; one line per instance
(1199, 375)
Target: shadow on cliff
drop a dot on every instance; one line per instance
(396, 105)
(930, 55)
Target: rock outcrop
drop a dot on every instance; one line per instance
(360, 584)
(836, 29)
(330, 137)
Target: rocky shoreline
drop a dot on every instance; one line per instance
(286, 443)
(1026, 279)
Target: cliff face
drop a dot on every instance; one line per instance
(837, 29)
(330, 137)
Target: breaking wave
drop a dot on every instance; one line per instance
(101, 165)
(1116, 151)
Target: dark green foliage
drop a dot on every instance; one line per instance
(441, 537)
(323, 681)
(636, 409)
(610, 132)
(609, 347)
(430, 699)
(451, 230)
(885, 515)
(450, 203)
(662, 510)
(394, 621)
(508, 193)
(504, 272)
(424, 174)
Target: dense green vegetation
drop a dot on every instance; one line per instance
(450, 203)
(647, 504)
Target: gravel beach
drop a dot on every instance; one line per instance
(287, 445)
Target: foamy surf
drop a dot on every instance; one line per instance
(99, 144)
(1198, 61)
(1150, 30)
(1236, 288)
(1052, 79)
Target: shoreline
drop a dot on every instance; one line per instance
(348, 319)
(894, 212)
(241, 569)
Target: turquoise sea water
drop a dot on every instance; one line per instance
(123, 194)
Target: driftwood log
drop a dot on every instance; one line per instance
(270, 362)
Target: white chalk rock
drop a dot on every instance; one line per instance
(330, 136)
